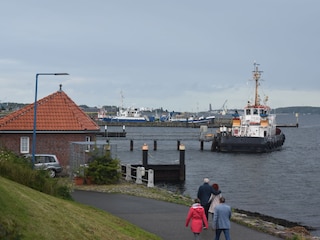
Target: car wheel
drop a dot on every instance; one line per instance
(52, 173)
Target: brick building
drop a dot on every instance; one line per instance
(59, 122)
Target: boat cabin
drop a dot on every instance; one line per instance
(255, 122)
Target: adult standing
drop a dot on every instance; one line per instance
(221, 219)
(215, 199)
(197, 217)
(204, 194)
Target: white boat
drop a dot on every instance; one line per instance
(185, 119)
(124, 115)
(254, 131)
(129, 115)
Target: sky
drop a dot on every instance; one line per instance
(180, 55)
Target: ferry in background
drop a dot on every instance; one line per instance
(183, 118)
(255, 131)
(123, 115)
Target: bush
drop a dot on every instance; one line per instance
(18, 169)
(104, 169)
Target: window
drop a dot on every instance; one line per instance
(24, 145)
(88, 139)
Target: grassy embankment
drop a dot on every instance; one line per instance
(30, 214)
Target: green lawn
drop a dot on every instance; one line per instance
(29, 214)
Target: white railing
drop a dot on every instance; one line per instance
(140, 174)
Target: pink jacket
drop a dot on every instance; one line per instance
(198, 218)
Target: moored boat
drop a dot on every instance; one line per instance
(254, 131)
(126, 115)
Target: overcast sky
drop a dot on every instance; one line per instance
(181, 55)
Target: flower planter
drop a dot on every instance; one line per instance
(89, 180)
(78, 180)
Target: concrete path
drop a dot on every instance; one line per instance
(164, 219)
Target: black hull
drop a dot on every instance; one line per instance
(228, 143)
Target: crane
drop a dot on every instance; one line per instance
(224, 108)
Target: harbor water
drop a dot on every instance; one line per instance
(282, 184)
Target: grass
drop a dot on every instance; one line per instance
(29, 214)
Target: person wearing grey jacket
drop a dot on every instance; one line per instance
(221, 219)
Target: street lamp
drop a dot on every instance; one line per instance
(35, 114)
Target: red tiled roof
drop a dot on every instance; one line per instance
(56, 112)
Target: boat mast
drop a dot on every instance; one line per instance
(121, 96)
(256, 77)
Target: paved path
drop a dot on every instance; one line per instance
(164, 219)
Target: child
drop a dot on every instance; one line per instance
(198, 218)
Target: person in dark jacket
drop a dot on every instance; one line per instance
(204, 194)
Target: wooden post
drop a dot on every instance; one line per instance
(131, 145)
(201, 145)
(214, 144)
(145, 155)
(182, 175)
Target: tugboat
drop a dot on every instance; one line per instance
(255, 131)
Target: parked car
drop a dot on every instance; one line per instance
(47, 162)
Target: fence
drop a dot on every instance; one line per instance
(139, 174)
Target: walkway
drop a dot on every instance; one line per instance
(164, 219)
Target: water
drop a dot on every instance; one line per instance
(283, 184)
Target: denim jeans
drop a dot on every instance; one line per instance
(226, 234)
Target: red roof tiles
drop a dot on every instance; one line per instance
(56, 112)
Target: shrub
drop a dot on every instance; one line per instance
(18, 169)
(103, 169)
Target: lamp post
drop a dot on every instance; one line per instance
(35, 114)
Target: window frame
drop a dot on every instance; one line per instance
(24, 144)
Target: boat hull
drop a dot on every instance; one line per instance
(124, 119)
(228, 143)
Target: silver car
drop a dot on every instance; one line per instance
(48, 162)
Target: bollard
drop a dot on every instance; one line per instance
(150, 178)
(182, 175)
(155, 145)
(131, 145)
(145, 155)
(139, 176)
(128, 172)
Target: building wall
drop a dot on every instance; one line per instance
(58, 143)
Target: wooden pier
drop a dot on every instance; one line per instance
(165, 172)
